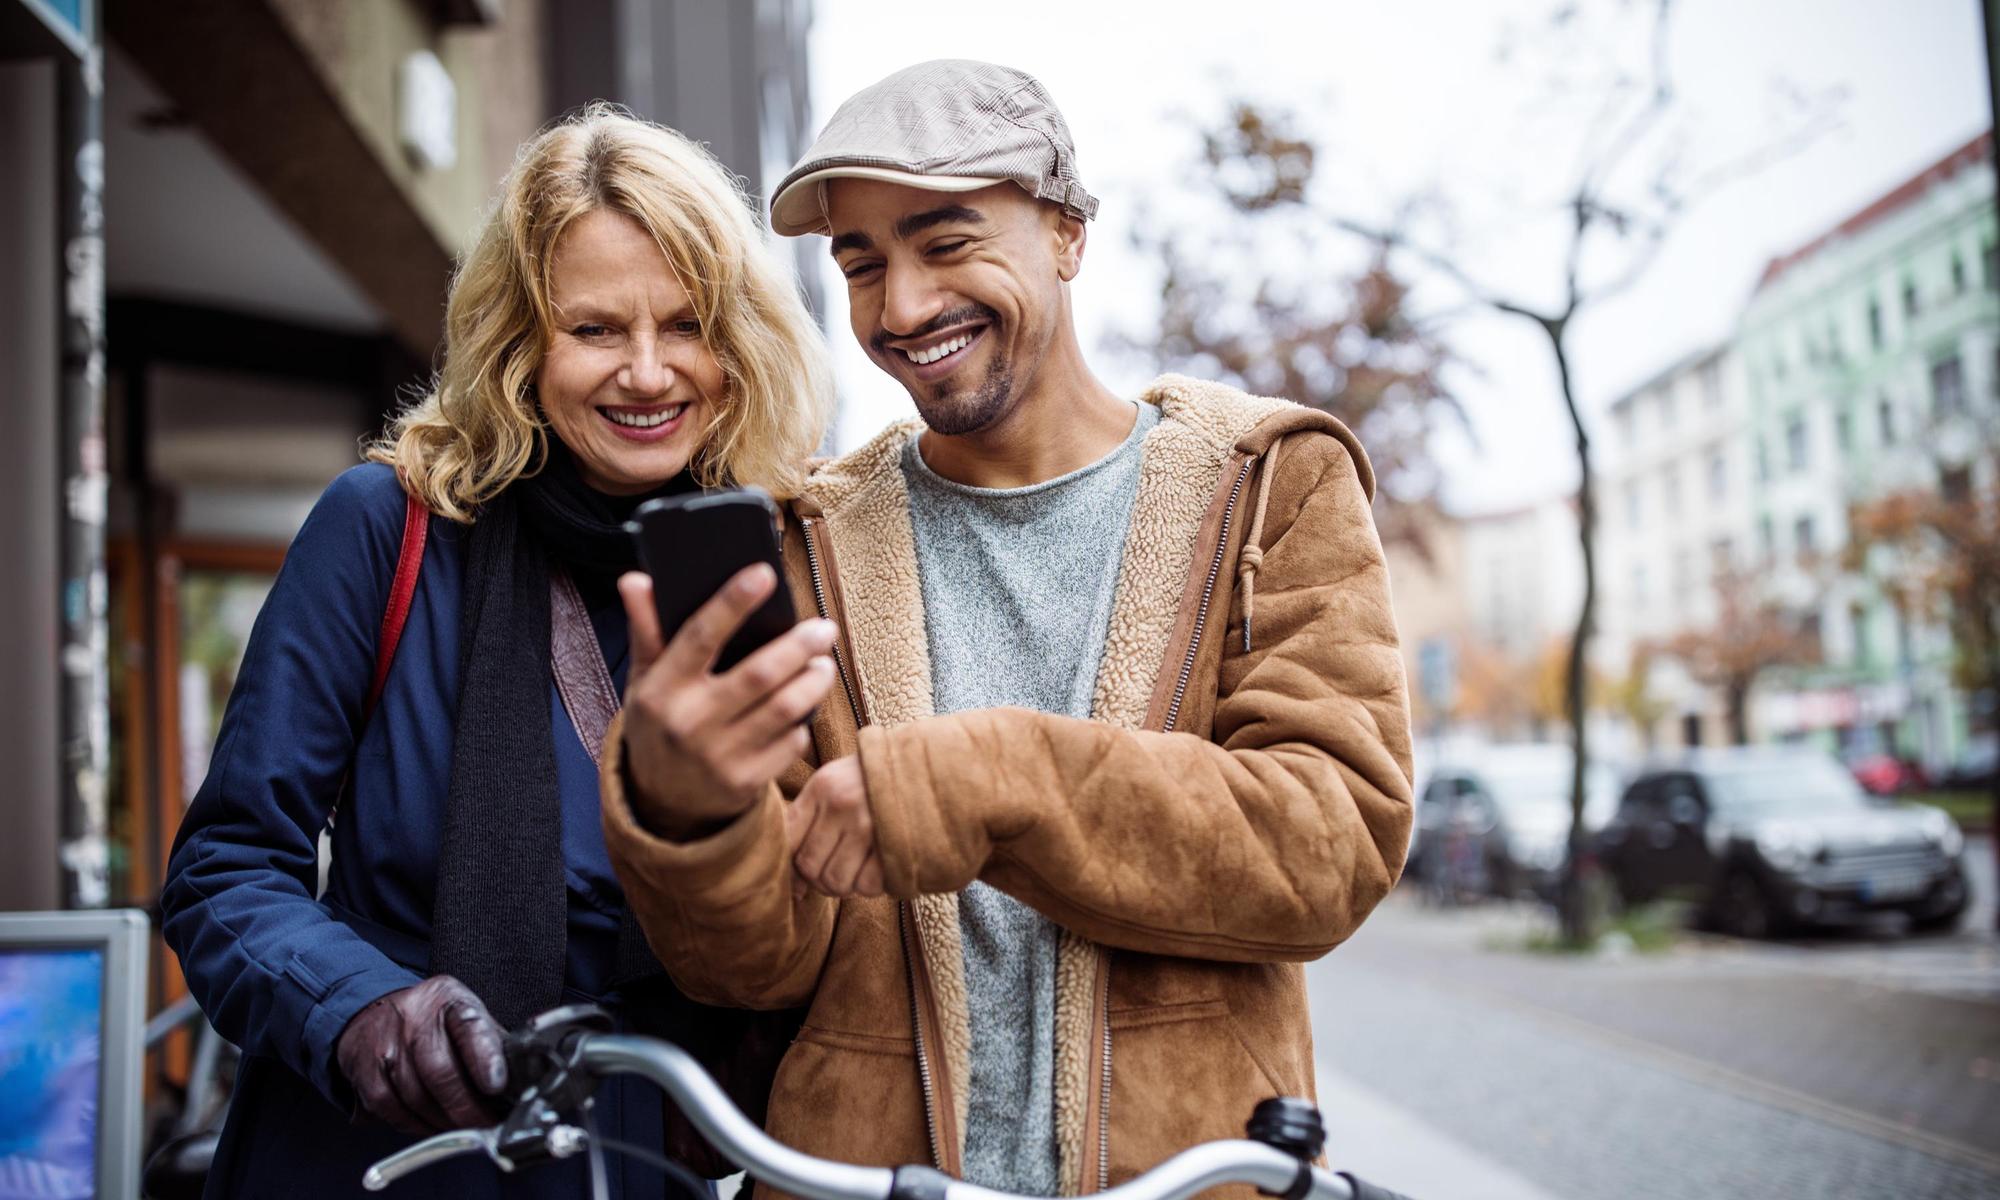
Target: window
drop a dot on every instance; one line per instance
(1667, 408)
(1626, 432)
(1955, 484)
(1683, 575)
(1721, 556)
(1718, 475)
(1834, 353)
(1639, 586)
(1711, 386)
(1875, 324)
(1991, 254)
(1947, 387)
(1767, 537)
(1763, 461)
(1857, 623)
(1670, 490)
(1632, 504)
(1886, 414)
(1843, 428)
(1802, 537)
(1909, 298)
(1957, 275)
(1795, 442)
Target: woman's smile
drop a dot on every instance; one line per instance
(644, 423)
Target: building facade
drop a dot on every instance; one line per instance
(1869, 357)
(1674, 513)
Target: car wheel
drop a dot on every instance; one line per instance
(1745, 910)
(1944, 908)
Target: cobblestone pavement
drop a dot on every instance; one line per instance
(1856, 1067)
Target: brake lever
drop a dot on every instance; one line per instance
(436, 1148)
(547, 1053)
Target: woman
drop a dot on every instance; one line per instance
(617, 332)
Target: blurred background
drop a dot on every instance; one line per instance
(1673, 329)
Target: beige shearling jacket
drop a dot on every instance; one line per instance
(1236, 806)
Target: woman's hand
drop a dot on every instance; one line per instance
(701, 747)
(422, 1059)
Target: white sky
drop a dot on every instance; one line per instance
(1410, 95)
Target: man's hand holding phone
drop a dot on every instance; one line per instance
(702, 746)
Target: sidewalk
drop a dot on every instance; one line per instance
(1394, 1148)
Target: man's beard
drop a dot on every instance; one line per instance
(951, 414)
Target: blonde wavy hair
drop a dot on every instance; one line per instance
(479, 429)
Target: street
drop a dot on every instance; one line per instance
(1456, 1063)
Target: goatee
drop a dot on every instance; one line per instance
(952, 414)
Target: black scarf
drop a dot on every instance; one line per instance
(500, 919)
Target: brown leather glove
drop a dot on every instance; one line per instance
(426, 1058)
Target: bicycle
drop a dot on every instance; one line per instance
(565, 1053)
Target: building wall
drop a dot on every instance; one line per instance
(1676, 501)
(302, 98)
(1427, 589)
(357, 46)
(1846, 351)
(1678, 497)
(28, 875)
(1523, 576)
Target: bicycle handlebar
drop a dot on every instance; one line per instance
(589, 1057)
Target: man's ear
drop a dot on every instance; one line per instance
(1070, 236)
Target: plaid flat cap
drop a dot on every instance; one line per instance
(953, 125)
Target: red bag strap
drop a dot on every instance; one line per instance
(409, 564)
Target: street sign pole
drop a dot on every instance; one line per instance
(83, 664)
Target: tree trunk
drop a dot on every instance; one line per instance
(1737, 697)
(1572, 902)
(1993, 835)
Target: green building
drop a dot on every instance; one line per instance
(1869, 357)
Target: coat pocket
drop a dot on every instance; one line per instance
(1180, 1074)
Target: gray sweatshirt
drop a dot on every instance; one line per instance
(1017, 587)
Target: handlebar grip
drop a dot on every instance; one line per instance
(1364, 1190)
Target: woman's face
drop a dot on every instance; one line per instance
(628, 382)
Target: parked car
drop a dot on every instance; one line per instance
(1975, 769)
(1887, 775)
(1765, 840)
(1495, 820)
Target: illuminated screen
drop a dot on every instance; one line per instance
(51, 1004)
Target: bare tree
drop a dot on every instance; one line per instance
(1632, 184)
(1343, 344)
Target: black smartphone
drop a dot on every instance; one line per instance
(691, 545)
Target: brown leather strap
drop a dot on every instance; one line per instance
(578, 663)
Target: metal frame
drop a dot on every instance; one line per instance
(121, 935)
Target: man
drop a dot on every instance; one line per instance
(1111, 729)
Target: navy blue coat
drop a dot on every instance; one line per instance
(279, 972)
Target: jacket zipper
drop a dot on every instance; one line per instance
(1173, 718)
(819, 598)
(910, 951)
(1207, 593)
(910, 948)
(1104, 1097)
